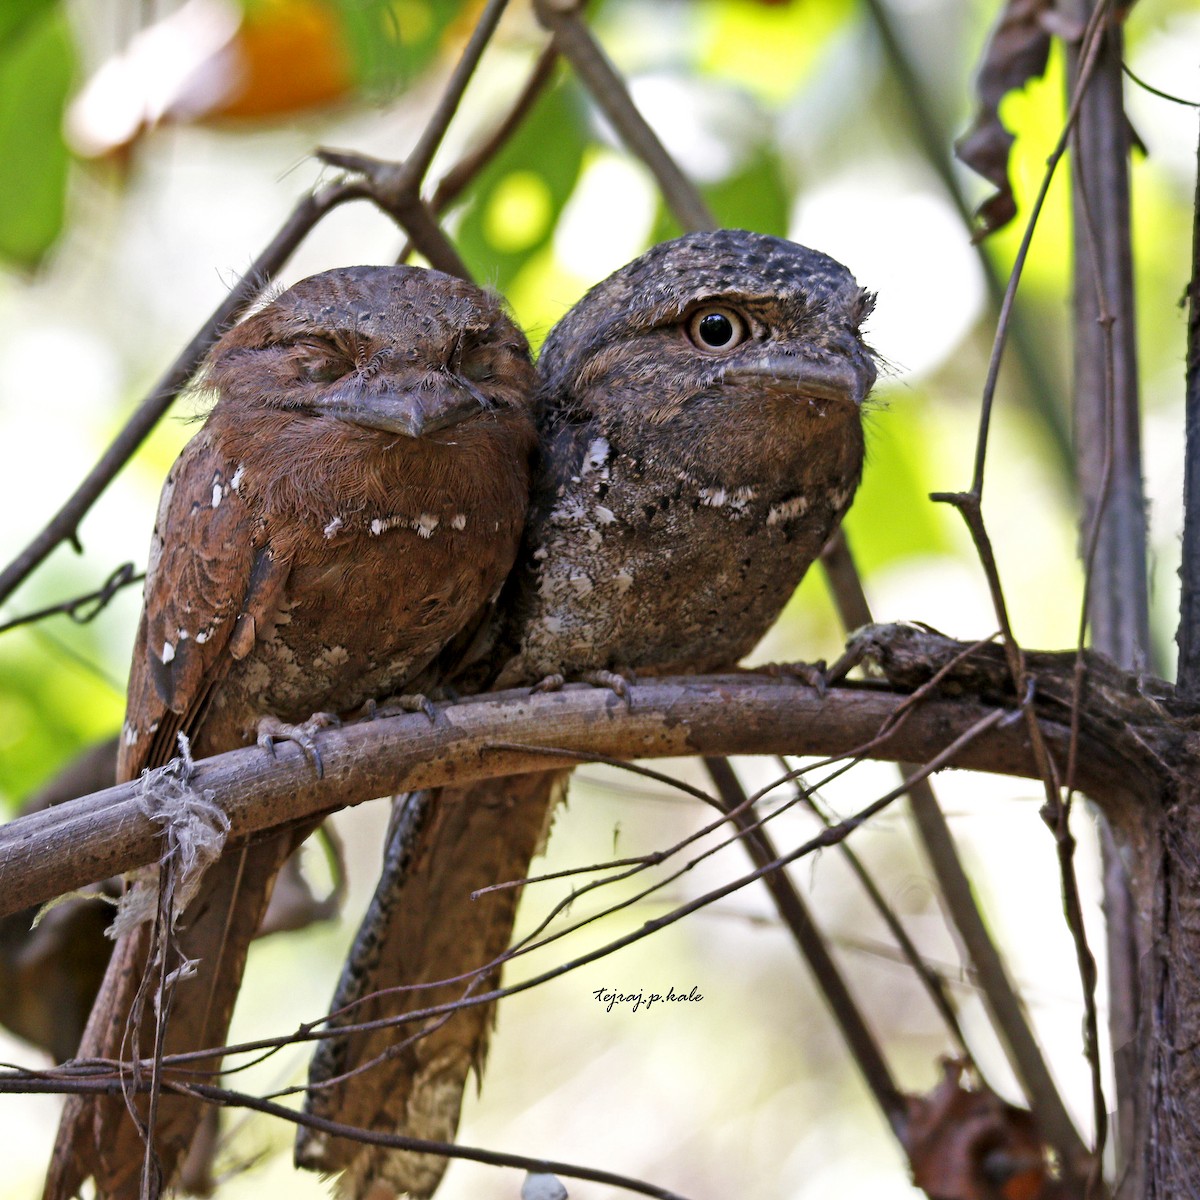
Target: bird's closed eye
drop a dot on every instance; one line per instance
(320, 362)
(477, 367)
(716, 329)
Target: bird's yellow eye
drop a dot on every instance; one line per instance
(716, 329)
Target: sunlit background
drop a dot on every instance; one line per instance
(148, 153)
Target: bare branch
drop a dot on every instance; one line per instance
(795, 914)
(574, 40)
(64, 527)
(59, 849)
(1001, 997)
(22, 1082)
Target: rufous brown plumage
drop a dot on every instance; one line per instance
(352, 503)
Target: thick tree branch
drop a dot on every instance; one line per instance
(1123, 761)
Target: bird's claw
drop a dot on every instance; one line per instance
(272, 730)
(552, 683)
(417, 703)
(814, 675)
(617, 682)
(394, 705)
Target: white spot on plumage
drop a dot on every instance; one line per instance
(332, 656)
(203, 636)
(597, 455)
(425, 524)
(458, 521)
(570, 509)
(605, 516)
(553, 624)
(217, 494)
(713, 497)
(383, 524)
(238, 475)
(130, 733)
(168, 652)
(337, 523)
(624, 580)
(788, 510)
(581, 584)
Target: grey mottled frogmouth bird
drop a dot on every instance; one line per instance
(353, 502)
(700, 424)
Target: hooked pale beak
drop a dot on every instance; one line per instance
(833, 378)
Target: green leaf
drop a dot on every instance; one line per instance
(517, 199)
(892, 517)
(15, 15)
(753, 197)
(36, 68)
(391, 41)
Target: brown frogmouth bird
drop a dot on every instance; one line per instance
(353, 502)
(700, 424)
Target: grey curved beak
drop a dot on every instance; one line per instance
(833, 378)
(411, 413)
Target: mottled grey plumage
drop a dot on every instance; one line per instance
(683, 492)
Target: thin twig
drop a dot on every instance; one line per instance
(50, 1082)
(954, 886)
(416, 165)
(455, 181)
(1004, 320)
(1148, 87)
(64, 527)
(795, 914)
(887, 729)
(87, 607)
(575, 41)
(1041, 387)
(969, 506)
(908, 951)
(989, 723)
(396, 186)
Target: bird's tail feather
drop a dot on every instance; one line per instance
(423, 927)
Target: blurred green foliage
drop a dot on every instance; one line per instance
(392, 41)
(515, 201)
(37, 65)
